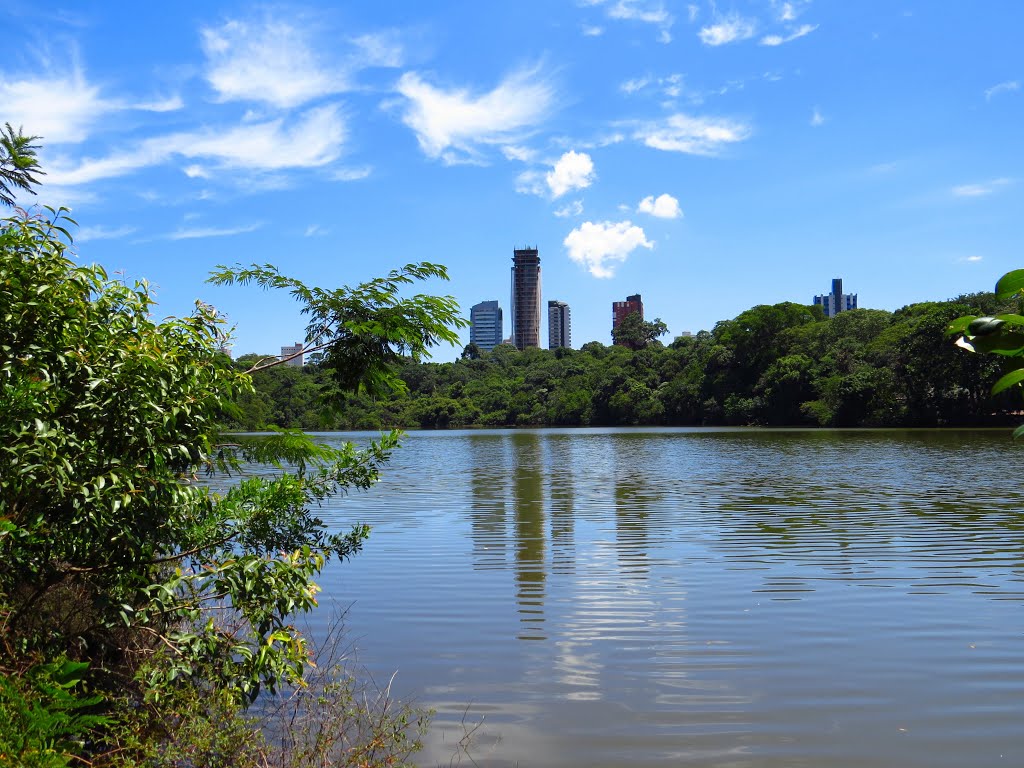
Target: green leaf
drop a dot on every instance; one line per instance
(1010, 284)
(1018, 432)
(1011, 379)
(960, 325)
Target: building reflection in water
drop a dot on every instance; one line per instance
(528, 510)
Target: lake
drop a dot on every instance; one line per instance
(705, 597)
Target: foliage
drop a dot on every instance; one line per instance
(121, 547)
(636, 333)
(999, 334)
(781, 364)
(17, 163)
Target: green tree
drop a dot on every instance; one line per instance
(17, 163)
(113, 549)
(636, 333)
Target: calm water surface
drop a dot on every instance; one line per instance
(698, 597)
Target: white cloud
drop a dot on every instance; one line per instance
(196, 172)
(728, 29)
(1006, 87)
(270, 61)
(575, 208)
(381, 49)
(600, 247)
(634, 85)
(199, 232)
(309, 140)
(85, 234)
(592, 31)
(802, 31)
(644, 11)
(531, 183)
(692, 135)
(663, 207)
(574, 170)
(352, 174)
(170, 104)
(974, 259)
(451, 124)
(979, 190)
(522, 154)
(59, 108)
(692, 12)
(315, 230)
(817, 119)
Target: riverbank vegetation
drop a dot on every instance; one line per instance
(778, 365)
(149, 582)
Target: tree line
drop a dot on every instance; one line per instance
(776, 365)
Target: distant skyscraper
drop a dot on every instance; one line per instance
(294, 349)
(525, 298)
(559, 325)
(837, 301)
(622, 309)
(486, 327)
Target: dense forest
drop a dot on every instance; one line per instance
(781, 364)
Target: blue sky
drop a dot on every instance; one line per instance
(708, 155)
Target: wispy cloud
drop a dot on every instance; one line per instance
(309, 140)
(1008, 86)
(981, 189)
(452, 124)
(644, 11)
(200, 232)
(315, 230)
(801, 31)
(352, 174)
(692, 135)
(574, 170)
(663, 206)
(380, 49)
(600, 247)
(817, 119)
(270, 60)
(59, 107)
(728, 29)
(85, 234)
(575, 208)
(972, 259)
(591, 30)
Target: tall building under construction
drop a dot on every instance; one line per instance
(525, 298)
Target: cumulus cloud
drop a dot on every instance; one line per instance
(602, 246)
(979, 190)
(801, 31)
(309, 140)
(663, 206)
(1006, 87)
(451, 124)
(691, 135)
(574, 170)
(271, 61)
(727, 29)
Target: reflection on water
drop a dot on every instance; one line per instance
(700, 597)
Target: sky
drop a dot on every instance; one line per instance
(710, 156)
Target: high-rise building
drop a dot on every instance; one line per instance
(486, 327)
(835, 302)
(559, 325)
(525, 298)
(293, 355)
(622, 309)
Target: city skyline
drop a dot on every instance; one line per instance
(713, 157)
